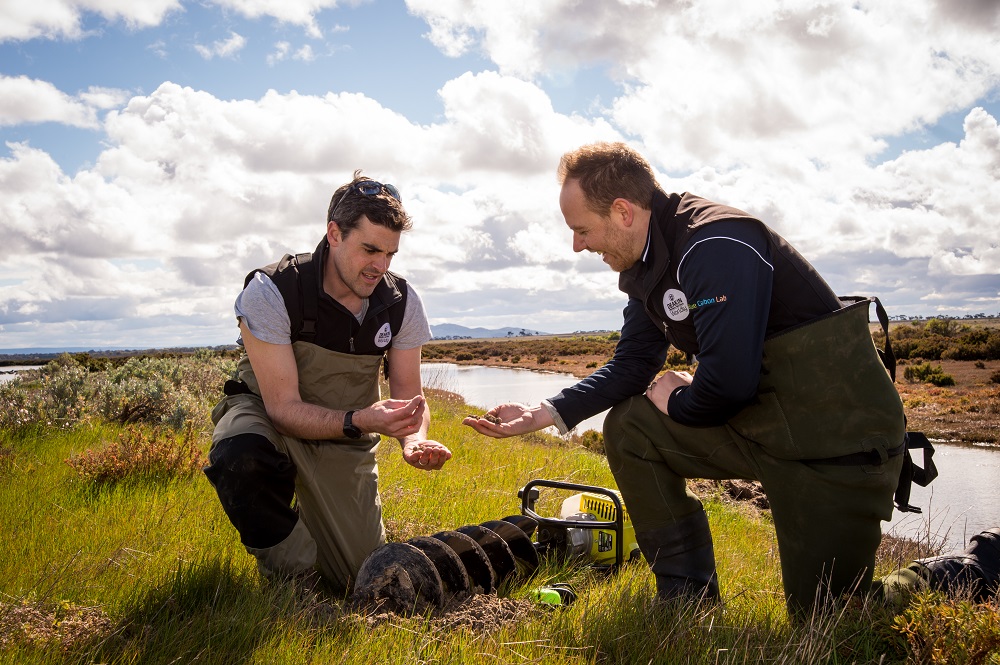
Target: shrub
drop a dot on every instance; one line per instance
(943, 327)
(928, 373)
(542, 359)
(940, 630)
(676, 358)
(65, 392)
(995, 376)
(17, 406)
(463, 356)
(141, 390)
(139, 453)
(591, 440)
(57, 394)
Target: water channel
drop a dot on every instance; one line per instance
(961, 502)
(10, 372)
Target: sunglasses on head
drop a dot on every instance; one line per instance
(368, 188)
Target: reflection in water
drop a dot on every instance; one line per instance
(961, 502)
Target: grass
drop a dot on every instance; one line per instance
(147, 569)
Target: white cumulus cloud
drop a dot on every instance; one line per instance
(778, 109)
(25, 100)
(56, 19)
(222, 48)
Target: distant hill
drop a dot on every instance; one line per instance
(453, 331)
(41, 355)
(56, 350)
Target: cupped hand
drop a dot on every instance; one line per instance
(393, 417)
(662, 387)
(425, 455)
(513, 419)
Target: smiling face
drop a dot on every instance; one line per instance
(613, 235)
(357, 262)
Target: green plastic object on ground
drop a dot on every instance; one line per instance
(553, 594)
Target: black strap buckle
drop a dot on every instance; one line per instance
(911, 473)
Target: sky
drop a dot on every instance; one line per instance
(155, 151)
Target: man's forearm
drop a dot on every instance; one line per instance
(307, 421)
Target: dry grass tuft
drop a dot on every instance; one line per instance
(141, 453)
(64, 624)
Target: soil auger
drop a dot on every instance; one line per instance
(430, 571)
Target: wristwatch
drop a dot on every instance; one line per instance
(351, 430)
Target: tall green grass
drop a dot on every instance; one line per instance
(157, 559)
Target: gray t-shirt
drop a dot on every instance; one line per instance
(261, 306)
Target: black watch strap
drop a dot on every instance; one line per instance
(351, 430)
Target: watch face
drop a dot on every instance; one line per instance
(350, 429)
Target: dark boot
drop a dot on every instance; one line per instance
(682, 558)
(976, 571)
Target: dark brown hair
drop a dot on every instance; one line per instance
(348, 204)
(609, 171)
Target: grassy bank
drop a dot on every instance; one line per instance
(143, 567)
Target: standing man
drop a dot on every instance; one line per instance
(304, 416)
(789, 390)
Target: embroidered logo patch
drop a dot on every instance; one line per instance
(675, 304)
(383, 336)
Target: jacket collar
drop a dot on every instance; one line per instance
(655, 261)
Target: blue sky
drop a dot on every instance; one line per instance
(155, 151)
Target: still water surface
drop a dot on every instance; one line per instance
(961, 502)
(11, 372)
(487, 387)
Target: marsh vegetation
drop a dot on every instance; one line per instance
(115, 550)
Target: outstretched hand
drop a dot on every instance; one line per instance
(510, 420)
(425, 455)
(393, 417)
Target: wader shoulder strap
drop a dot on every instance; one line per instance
(308, 288)
(298, 283)
(886, 355)
(911, 473)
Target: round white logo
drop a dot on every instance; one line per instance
(675, 304)
(383, 336)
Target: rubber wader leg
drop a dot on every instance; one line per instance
(682, 557)
(255, 484)
(975, 572)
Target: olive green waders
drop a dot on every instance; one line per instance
(823, 437)
(339, 511)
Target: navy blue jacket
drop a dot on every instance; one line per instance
(714, 282)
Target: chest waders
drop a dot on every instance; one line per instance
(337, 520)
(825, 436)
(824, 393)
